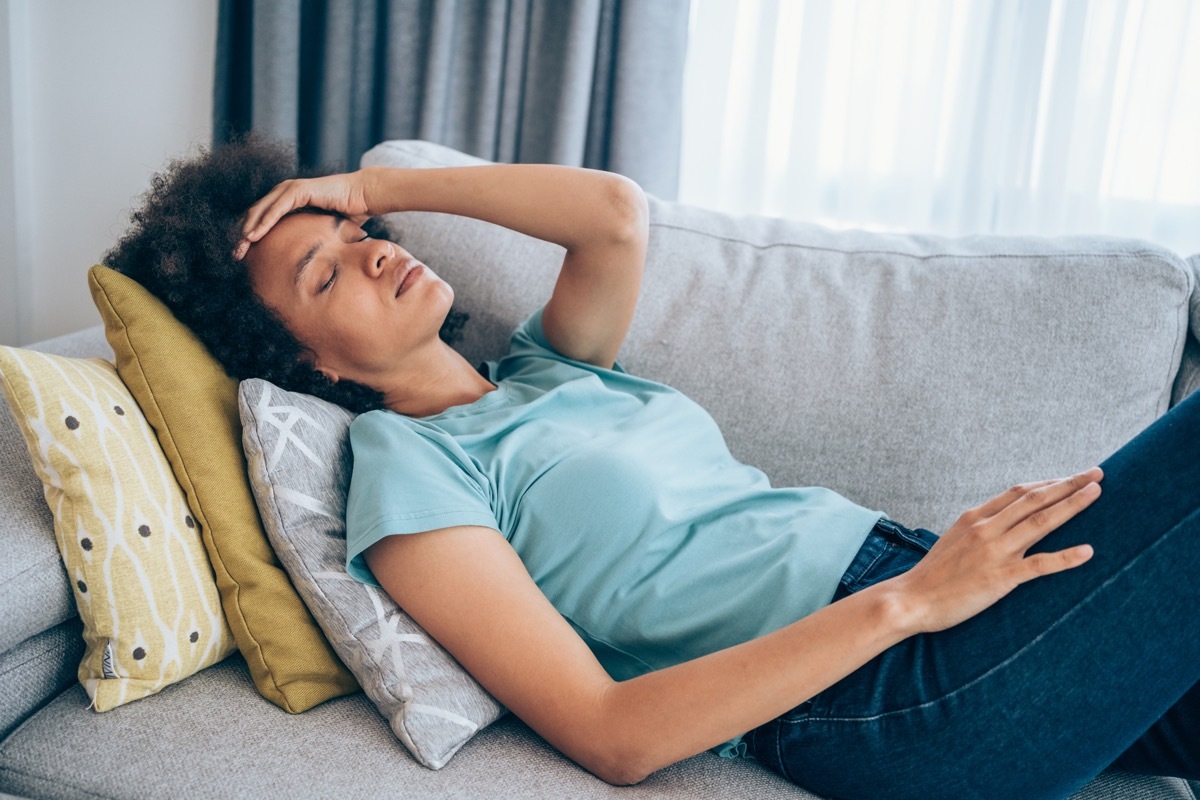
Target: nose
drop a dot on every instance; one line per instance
(376, 254)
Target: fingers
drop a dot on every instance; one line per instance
(284, 198)
(1040, 510)
(1040, 564)
(1025, 499)
(263, 215)
(1040, 504)
(1007, 498)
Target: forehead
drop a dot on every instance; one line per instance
(275, 256)
(301, 229)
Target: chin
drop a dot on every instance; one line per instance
(441, 298)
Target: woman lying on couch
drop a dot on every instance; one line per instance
(582, 541)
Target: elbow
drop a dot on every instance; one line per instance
(612, 757)
(623, 780)
(619, 771)
(629, 211)
(621, 760)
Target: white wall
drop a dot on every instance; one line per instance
(94, 97)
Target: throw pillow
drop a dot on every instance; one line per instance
(298, 449)
(142, 582)
(192, 405)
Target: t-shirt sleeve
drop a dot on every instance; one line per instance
(529, 339)
(408, 478)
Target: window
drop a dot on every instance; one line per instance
(949, 116)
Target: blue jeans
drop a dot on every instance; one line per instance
(1033, 697)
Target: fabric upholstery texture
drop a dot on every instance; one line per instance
(985, 351)
(1188, 380)
(238, 745)
(192, 405)
(140, 575)
(298, 449)
(44, 666)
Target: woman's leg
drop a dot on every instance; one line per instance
(1042, 691)
(1172, 745)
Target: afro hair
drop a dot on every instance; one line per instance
(180, 246)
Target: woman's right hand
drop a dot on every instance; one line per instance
(981, 558)
(344, 193)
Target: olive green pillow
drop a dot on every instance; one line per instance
(192, 405)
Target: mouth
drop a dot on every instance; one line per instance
(410, 273)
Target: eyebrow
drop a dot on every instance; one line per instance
(302, 264)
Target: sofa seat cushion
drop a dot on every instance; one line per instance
(39, 670)
(213, 736)
(224, 740)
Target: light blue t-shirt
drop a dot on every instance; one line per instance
(621, 498)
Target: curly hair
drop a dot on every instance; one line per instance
(180, 247)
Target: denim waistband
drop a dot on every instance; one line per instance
(889, 549)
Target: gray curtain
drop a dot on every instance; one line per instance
(594, 83)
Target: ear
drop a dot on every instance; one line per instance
(310, 358)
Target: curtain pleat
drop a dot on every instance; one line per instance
(594, 83)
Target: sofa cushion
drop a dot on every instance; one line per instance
(1189, 371)
(192, 405)
(919, 375)
(298, 449)
(40, 669)
(139, 573)
(211, 736)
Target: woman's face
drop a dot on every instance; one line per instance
(361, 306)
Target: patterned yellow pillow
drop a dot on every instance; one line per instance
(142, 582)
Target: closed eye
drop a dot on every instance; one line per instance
(334, 272)
(332, 277)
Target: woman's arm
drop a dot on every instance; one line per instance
(599, 217)
(470, 591)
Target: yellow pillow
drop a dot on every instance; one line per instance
(192, 405)
(150, 609)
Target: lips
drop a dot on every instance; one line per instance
(411, 272)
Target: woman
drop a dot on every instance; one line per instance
(543, 517)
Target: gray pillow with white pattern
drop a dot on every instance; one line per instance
(298, 453)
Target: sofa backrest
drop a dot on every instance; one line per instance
(1188, 379)
(918, 375)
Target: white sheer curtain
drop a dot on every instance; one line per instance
(951, 116)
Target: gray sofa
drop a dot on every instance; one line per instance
(915, 374)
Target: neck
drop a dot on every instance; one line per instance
(443, 379)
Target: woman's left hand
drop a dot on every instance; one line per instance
(344, 193)
(982, 557)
